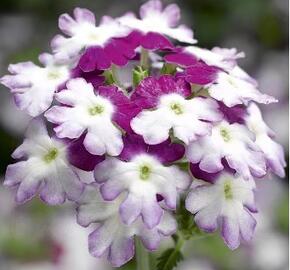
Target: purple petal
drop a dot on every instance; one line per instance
(182, 59)
(151, 213)
(154, 41)
(130, 209)
(79, 157)
(172, 13)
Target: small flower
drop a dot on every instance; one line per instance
(233, 90)
(34, 86)
(228, 202)
(45, 168)
(142, 174)
(113, 238)
(83, 34)
(96, 113)
(169, 109)
(152, 15)
(234, 143)
(273, 151)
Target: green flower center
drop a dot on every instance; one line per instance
(53, 75)
(225, 134)
(176, 108)
(228, 191)
(98, 109)
(144, 172)
(51, 155)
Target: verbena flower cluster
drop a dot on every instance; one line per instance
(150, 121)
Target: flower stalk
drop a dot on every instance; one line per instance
(142, 256)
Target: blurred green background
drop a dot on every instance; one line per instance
(37, 237)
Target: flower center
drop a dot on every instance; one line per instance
(225, 134)
(144, 172)
(51, 155)
(53, 75)
(98, 109)
(176, 108)
(228, 190)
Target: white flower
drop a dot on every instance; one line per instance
(84, 33)
(155, 19)
(235, 143)
(233, 90)
(228, 202)
(273, 151)
(33, 86)
(184, 117)
(87, 111)
(142, 178)
(45, 168)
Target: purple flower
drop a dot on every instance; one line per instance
(112, 238)
(273, 151)
(32, 86)
(228, 203)
(234, 143)
(44, 168)
(155, 19)
(96, 113)
(169, 108)
(142, 176)
(101, 47)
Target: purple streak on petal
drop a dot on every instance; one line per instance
(84, 15)
(94, 58)
(93, 77)
(126, 109)
(166, 152)
(172, 13)
(235, 114)
(201, 74)
(230, 232)
(200, 174)
(151, 213)
(149, 7)
(79, 157)
(182, 59)
(154, 41)
(149, 91)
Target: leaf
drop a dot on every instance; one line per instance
(186, 224)
(169, 259)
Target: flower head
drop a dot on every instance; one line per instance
(229, 202)
(33, 86)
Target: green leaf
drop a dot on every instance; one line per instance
(186, 224)
(168, 69)
(169, 259)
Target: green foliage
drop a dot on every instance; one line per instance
(139, 74)
(186, 224)
(169, 259)
(168, 69)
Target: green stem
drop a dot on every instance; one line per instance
(144, 61)
(142, 256)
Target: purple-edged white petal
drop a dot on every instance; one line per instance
(152, 14)
(45, 169)
(33, 86)
(224, 203)
(112, 238)
(235, 143)
(90, 113)
(142, 178)
(232, 90)
(83, 33)
(273, 151)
